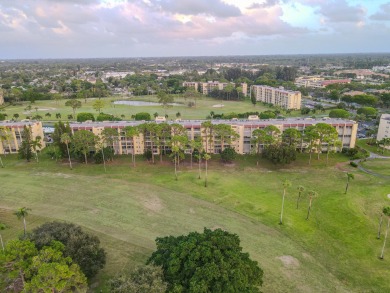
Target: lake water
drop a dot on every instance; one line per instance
(142, 103)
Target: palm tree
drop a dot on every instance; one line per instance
(386, 211)
(286, 184)
(131, 132)
(380, 226)
(36, 144)
(2, 227)
(22, 213)
(65, 138)
(311, 195)
(349, 177)
(258, 138)
(206, 158)
(300, 190)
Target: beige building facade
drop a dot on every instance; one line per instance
(346, 129)
(1, 97)
(13, 132)
(384, 127)
(277, 96)
(207, 87)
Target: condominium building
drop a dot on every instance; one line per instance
(384, 127)
(14, 131)
(346, 129)
(317, 82)
(207, 87)
(277, 96)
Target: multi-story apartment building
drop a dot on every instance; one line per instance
(14, 131)
(277, 96)
(207, 87)
(346, 129)
(192, 84)
(317, 82)
(384, 127)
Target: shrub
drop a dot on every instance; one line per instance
(142, 116)
(107, 117)
(84, 116)
(228, 155)
(368, 111)
(339, 113)
(353, 164)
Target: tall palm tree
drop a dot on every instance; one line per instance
(380, 226)
(286, 184)
(2, 227)
(258, 138)
(132, 132)
(311, 195)
(65, 138)
(206, 157)
(386, 211)
(350, 176)
(22, 213)
(36, 144)
(300, 189)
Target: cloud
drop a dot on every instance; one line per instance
(341, 11)
(194, 7)
(383, 14)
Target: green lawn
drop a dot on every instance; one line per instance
(377, 166)
(201, 111)
(363, 143)
(334, 251)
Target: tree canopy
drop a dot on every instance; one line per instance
(82, 247)
(211, 261)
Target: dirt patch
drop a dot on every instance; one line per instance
(153, 204)
(218, 106)
(341, 166)
(289, 261)
(192, 211)
(388, 196)
(53, 175)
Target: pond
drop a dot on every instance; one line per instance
(142, 103)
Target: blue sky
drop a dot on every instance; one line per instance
(137, 28)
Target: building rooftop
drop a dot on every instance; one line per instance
(188, 123)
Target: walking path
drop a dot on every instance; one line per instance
(372, 157)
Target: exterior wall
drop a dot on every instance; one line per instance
(384, 127)
(207, 87)
(1, 97)
(278, 96)
(346, 129)
(15, 130)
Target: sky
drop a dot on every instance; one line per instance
(149, 28)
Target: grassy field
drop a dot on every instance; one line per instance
(373, 149)
(334, 251)
(377, 166)
(204, 107)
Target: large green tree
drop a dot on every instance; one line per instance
(74, 104)
(84, 141)
(82, 247)
(143, 279)
(26, 147)
(211, 261)
(27, 269)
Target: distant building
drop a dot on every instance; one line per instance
(15, 130)
(384, 127)
(317, 82)
(1, 97)
(207, 87)
(346, 129)
(277, 96)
